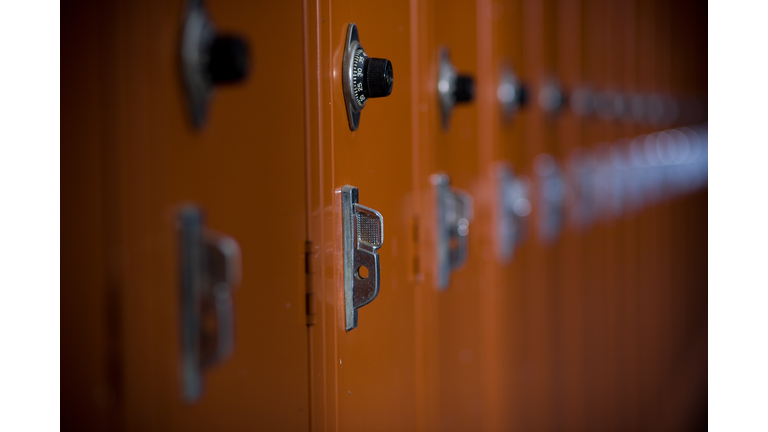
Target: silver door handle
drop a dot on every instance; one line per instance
(513, 208)
(363, 235)
(210, 270)
(454, 213)
(223, 255)
(551, 197)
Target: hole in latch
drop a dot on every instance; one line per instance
(361, 272)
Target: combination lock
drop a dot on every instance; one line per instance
(512, 93)
(453, 88)
(208, 59)
(363, 77)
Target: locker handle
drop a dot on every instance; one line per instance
(552, 192)
(210, 269)
(224, 273)
(363, 235)
(454, 213)
(514, 207)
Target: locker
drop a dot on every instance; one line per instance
(571, 303)
(364, 377)
(502, 140)
(453, 314)
(542, 164)
(264, 229)
(244, 168)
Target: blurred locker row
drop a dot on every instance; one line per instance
(419, 215)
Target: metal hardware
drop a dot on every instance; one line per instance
(654, 109)
(607, 184)
(623, 107)
(642, 170)
(353, 106)
(671, 110)
(614, 106)
(363, 235)
(609, 105)
(695, 165)
(511, 93)
(655, 178)
(637, 107)
(620, 192)
(309, 252)
(582, 166)
(552, 190)
(208, 59)
(513, 208)
(210, 270)
(551, 97)
(362, 77)
(452, 87)
(583, 101)
(666, 168)
(454, 213)
(630, 194)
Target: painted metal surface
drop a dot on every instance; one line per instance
(238, 169)
(364, 379)
(577, 331)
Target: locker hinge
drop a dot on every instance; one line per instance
(310, 295)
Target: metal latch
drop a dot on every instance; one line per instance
(552, 193)
(514, 206)
(583, 208)
(363, 235)
(210, 270)
(454, 213)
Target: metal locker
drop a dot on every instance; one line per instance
(233, 166)
(541, 161)
(244, 168)
(571, 301)
(451, 305)
(602, 262)
(364, 376)
(503, 151)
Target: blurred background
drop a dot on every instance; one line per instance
(202, 285)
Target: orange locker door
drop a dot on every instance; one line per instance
(244, 169)
(505, 102)
(363, 377)
(542, 250)
(502, 109)
(456, 349)
(570, 296)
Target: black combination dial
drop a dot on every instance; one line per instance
(208, 59)
(452, 87)
(371, 77)
(228, 60)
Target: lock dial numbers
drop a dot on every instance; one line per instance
(358, 77)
